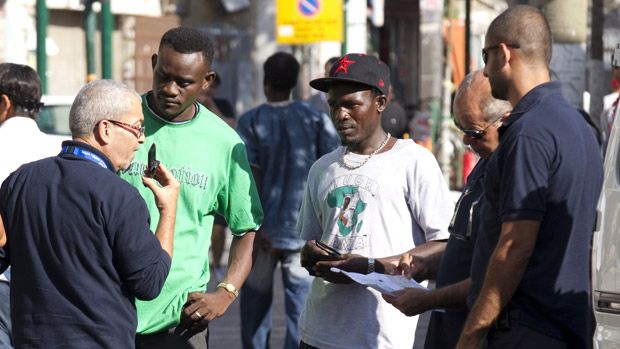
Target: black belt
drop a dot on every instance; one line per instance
(505, 317)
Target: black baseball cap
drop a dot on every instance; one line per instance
(358, 68)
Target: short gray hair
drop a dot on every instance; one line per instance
(99, 100)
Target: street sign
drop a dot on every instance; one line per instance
(307, 21)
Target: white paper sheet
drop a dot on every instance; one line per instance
(381, 282)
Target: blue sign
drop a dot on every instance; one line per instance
(309, 7)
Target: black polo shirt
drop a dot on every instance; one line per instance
(80, 249)
(445, 327)
(547, 168)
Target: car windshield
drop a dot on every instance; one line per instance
(54, 117)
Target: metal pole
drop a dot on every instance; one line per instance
(107, 23)
(345, 26)
(467, 36)
(90, 23)
(42, 17)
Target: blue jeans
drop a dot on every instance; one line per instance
(257, 295)
(5, 316)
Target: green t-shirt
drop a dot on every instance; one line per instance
(209, 160)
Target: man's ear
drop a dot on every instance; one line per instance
(153, 61)
(208, 80)
(6, 107)
(381, 103)
(103, 132)
(505, 53)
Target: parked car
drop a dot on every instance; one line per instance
(54, 117)
(606, 250)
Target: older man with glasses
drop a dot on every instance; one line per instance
(78, 236)
(478, 115)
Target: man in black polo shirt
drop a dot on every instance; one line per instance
(78, 236)
(531, 260)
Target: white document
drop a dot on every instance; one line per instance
(381, 282)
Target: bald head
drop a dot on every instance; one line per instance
(527, 27)
(474, 94)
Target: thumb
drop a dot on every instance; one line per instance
(193, 296)
(150, 183)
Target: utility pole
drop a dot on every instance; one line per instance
(596, 67)
(90, 26)
(107, 24)
(345, 27)
(568, 20)
(42, 17)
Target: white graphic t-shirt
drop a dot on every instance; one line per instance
(397, 200)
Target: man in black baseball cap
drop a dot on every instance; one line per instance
(374, 196)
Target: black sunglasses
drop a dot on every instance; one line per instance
(485, 51)
(478, 134)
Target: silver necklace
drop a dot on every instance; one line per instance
(351, 166)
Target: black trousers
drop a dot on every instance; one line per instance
(171, 340)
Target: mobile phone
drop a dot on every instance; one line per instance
(325, 247)
(153, 163)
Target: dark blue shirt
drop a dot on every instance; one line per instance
(445, 327)
(80, 249)
(283, 140)
(547, 168)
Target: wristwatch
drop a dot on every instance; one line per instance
(229, 287)
(371, 265)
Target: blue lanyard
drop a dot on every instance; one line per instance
(84, 154)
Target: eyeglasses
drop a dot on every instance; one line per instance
(128, 127)
(478, 134)
(485, 51)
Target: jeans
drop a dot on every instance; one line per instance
(5, 316)
(257, 295)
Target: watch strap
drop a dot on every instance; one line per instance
(371, 265)
(229, 287)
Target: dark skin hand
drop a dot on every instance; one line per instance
(204, 307)
(414, 301)
(422, 265)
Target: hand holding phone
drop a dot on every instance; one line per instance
(153, 163)
(325, 247)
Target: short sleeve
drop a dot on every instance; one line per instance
(238, 201)
(431, 203)
(524, 179)
(245, 130)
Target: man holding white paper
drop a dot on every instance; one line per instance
(375, 196)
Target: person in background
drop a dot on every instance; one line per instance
(78, 236)
(283, 138)
(394, 118)
(20, 101)
(319, 100)
(219, 106)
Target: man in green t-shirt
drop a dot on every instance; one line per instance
(209, 160)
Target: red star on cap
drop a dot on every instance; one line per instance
(343, 65)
